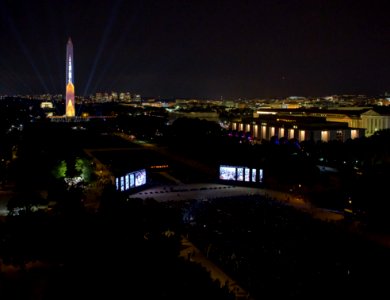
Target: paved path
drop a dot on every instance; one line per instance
(192, 253)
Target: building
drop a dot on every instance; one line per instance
(375, 119)
(300, 128)
(370, 119)
(70, 110)
(137, 98)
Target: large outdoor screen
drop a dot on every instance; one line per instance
(227, 173)
(239, 173)
(140, 177)
(131, 180)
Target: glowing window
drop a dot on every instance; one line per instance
(301, 135)
(263, 132)
(291, 133)
(325, 136)
(271, 131)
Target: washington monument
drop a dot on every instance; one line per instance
(70, 103)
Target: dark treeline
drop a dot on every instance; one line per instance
(127, 250)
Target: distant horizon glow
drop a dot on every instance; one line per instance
(193, 49)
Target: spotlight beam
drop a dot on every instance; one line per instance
(22, 46)
(103, 42)
(12, 76)
(115, 49)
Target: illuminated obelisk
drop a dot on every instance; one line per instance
(70, 103)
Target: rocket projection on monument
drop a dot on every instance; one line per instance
(70, 103)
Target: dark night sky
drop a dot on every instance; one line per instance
(207, 49)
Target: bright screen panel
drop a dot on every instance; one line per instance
(127, 182)
(122, 183)
(240, 174)
(253, 175)
(246, 176)
(140, 177)
(132, 181)
(260, 175)
(227, 173)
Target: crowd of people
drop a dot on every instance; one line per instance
(274, 250)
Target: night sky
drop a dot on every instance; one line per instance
(203, 49)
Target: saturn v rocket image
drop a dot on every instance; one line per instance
(70, 102)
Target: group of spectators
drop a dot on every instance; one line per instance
(273, 250)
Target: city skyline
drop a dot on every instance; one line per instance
(169, 49)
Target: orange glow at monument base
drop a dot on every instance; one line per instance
(70, 107)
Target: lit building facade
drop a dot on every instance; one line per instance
(375, 119)
(298, 128)
(70, 110)
(370, 119)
